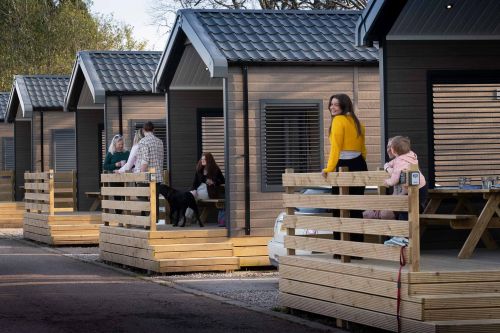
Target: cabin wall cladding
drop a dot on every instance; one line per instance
(52, 120)
(289, 83)
(183, 132)
(406, 104)
(6, 131)
(88, 138)
(135, 107)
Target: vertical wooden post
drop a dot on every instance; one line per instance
(414, 221)
(51, 192)
(344, 236)
(12, 187)
(73, 180)
(152, 198)
(290, 211)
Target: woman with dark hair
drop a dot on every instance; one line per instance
(347, 140)
(207, 179)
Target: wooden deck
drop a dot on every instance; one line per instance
(11, 214)
(447, 295)
(171, 249)
(72, 228)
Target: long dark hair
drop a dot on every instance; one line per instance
(347, 108)
(211, 167)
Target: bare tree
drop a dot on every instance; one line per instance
(163, 12)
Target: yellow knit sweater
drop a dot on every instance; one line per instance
(344, 136)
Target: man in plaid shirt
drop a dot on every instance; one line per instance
(150, 155)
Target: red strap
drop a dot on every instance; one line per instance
(402, 263)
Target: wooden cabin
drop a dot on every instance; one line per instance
(441, 82)
(269, 89)
(110, 93)
(10, 211)
(439, 76)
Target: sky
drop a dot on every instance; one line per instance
(134, 13)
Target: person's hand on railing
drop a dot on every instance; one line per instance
(324, 174)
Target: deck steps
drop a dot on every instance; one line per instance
(11, 214)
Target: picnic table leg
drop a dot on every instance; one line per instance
(95, 205)
(486, 237)
(479, 228)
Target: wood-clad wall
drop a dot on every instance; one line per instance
(406, 70)
(183, 132)
(22, 143)
(6, 131)
(134, 108)
(51, 120)
(87, 145)
(289, 83)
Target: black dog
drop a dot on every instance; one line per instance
(179, 202)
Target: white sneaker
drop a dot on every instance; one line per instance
(396, 241)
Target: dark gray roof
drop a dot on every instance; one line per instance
(4, 99)
(37, 93)
(429, 20)
(114, 71)
(266, 36)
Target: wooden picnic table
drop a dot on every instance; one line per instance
(97, 200)
(482, 220)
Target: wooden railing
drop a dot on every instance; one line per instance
(50, 192)
(6, 185)
(129, 199)
(346, 225)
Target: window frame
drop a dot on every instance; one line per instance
(264, 103)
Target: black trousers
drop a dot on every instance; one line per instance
(355, 164)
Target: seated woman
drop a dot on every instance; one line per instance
(117, 154)
(131, 162)
(207, 181)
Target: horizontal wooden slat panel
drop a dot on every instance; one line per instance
(126, 191)
(397, 203)
(34, 206)
(350, 225)
(37, 196)
(37, 186)
(125, 177)
(357, 249)
(63, 177)
(143, 221)
(126, 205)
(366, 178)
(36, 176)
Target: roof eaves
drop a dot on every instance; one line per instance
(443, 37)
(92, 78)
(71, 86)
(366, 21)
(204, 45)
(24, 97)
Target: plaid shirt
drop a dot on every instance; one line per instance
(151, 153)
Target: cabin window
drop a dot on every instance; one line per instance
(8, 153)
(466, 120)
(64, 150)
(211, 135)
(291, 137)
(160, 132)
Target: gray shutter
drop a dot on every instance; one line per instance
(291, 137)
(212, 138)
(466, 119)
(8, 153)
(64, 158)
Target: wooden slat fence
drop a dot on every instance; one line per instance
(50, 192)
(346, 225)
(6, 185)
(129, 199)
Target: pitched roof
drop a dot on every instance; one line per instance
(4, 99)
(114, 71)
(35, 93)
(429, 20)
(265, 36)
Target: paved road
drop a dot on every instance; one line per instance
(41, 291)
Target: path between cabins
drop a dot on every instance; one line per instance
(45, 290)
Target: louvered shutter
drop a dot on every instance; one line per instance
(212, 137)
(8, 153)
(64, 158)
(466, 119)
(290, 138)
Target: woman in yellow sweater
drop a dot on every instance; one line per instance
(347, 140)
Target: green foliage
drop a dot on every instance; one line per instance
(43, 36)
